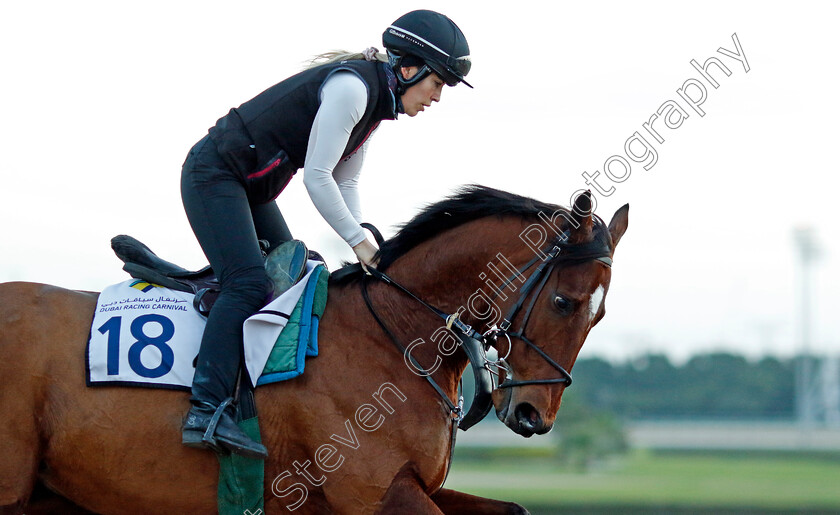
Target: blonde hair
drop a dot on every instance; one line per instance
(337, 56)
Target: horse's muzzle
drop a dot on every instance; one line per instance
(523, 418)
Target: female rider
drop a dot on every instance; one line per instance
(318, 120)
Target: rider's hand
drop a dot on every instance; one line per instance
(365, 252)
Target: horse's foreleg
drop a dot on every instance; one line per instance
(20, 454)
(407, 495)
(452, 502)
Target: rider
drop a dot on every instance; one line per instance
(318, 120)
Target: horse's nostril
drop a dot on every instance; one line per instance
(528, 416)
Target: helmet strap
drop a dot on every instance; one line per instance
(422, 72)
(395, 61)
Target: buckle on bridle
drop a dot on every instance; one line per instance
(457, 412)
(455, 319)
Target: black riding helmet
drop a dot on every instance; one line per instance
(432, 38)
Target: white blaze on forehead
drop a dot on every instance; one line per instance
(595, 302)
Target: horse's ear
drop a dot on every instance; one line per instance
(582, 216)
(618, 224)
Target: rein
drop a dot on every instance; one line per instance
(456, 411)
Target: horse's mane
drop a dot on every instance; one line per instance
(468, 203)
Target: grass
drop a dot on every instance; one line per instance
(682, 481)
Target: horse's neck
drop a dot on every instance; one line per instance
(448, 269)
(446, 272)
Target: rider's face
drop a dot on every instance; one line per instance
(421, 95)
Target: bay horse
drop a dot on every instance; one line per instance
(357, 432)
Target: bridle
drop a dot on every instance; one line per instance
(558, 253)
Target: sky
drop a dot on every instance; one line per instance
(103, 100)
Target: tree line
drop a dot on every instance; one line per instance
(708, 386)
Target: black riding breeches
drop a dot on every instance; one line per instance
(228, 228)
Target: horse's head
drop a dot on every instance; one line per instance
(560, 300)
(537, 317)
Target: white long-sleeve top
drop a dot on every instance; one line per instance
(332, 183)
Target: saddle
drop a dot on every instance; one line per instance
(141, 263)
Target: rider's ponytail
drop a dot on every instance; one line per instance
(335, 56)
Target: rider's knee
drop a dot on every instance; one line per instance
(252, 287)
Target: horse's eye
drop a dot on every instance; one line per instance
(563, 305)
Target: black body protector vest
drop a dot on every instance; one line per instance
(265, 139)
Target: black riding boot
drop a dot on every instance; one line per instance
(209, 426)
(209, 422)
